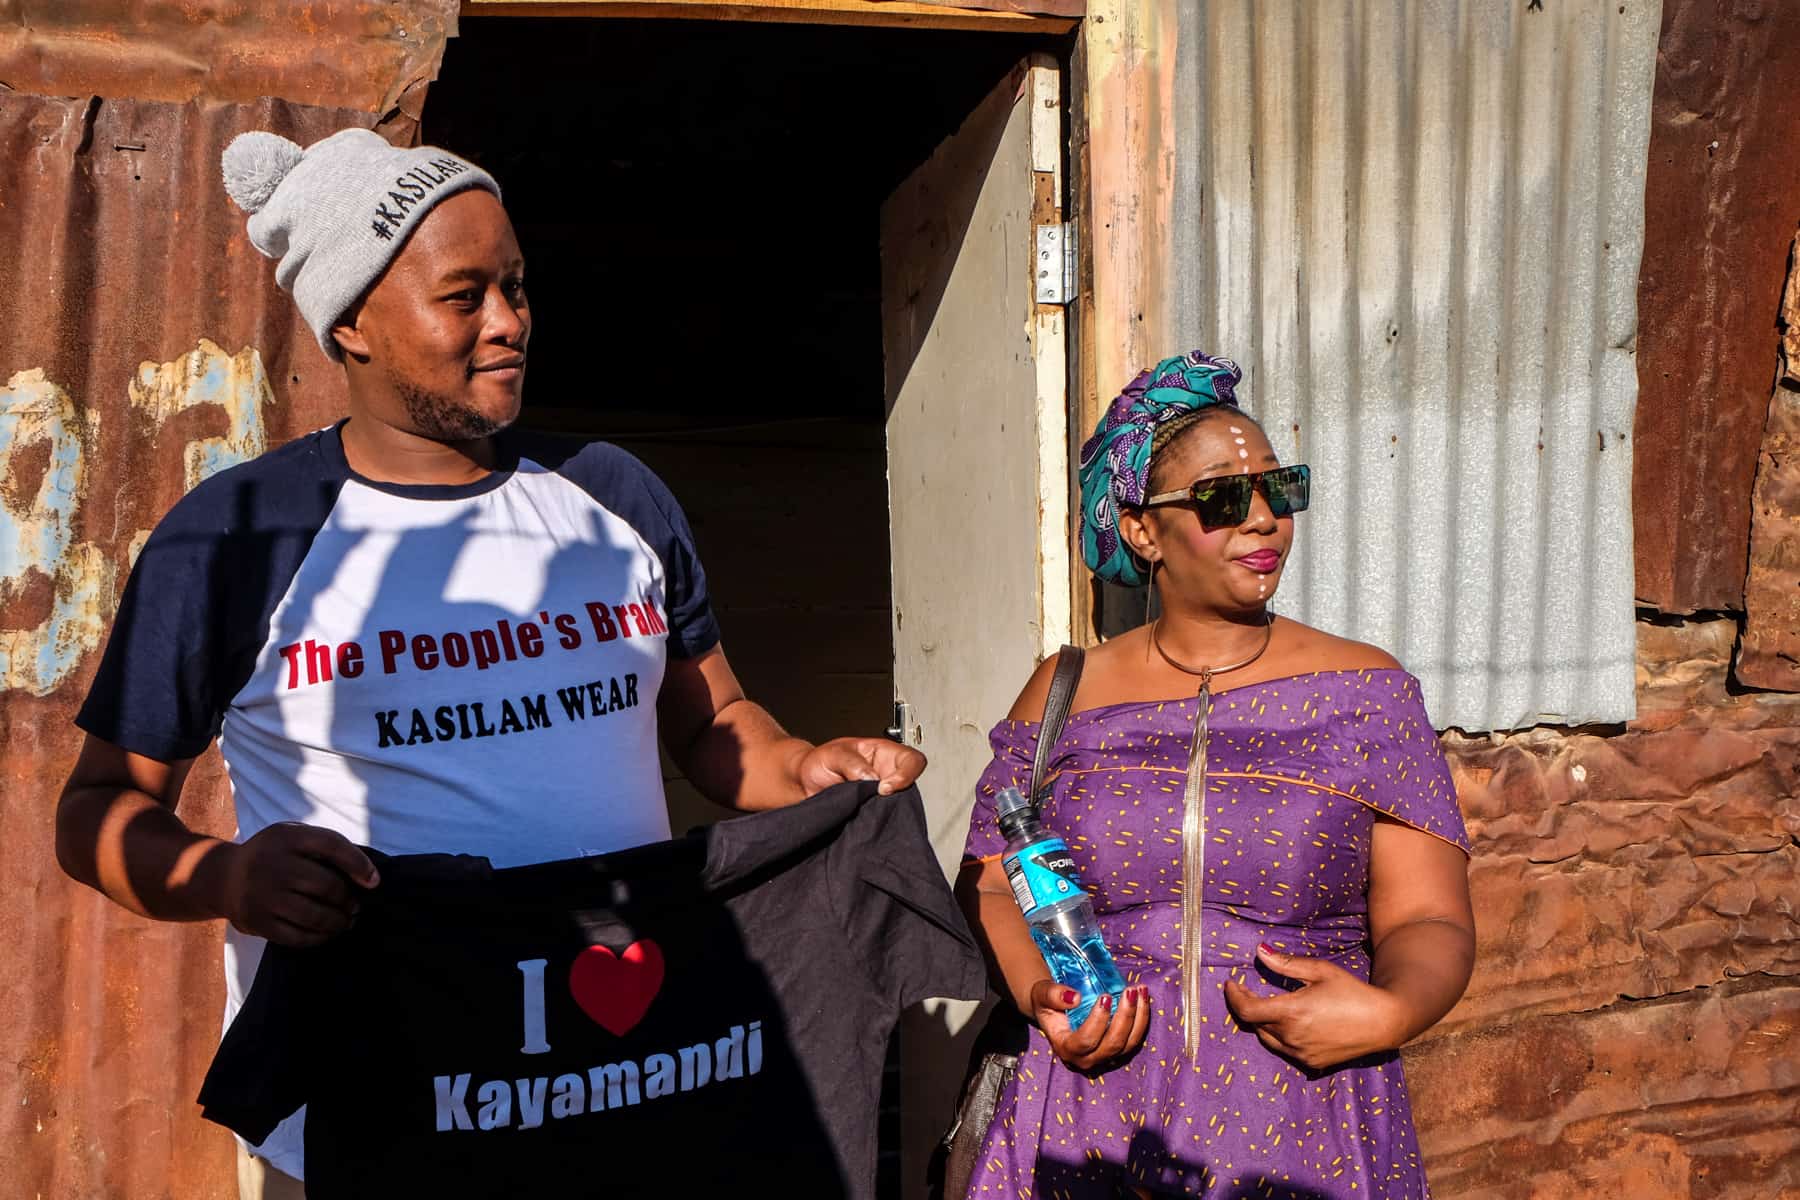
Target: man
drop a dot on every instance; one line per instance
(413, 630)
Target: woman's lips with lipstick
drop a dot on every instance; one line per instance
(1262, 561)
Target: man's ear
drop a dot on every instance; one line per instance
(350, 340)
(347, 333)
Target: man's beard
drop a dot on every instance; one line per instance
(442, 420)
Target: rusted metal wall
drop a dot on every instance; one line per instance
(361, 54)
(1769, 656)
(143, 344)
(1722, 199)
(1633, 1027)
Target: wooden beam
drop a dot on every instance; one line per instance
(1123, 199)
(907, 14)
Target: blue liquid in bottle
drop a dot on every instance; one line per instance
(1056, 907)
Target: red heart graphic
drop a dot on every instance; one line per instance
(615, 990)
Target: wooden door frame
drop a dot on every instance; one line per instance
(998, 16)
(1093, 193)
(1120, 98)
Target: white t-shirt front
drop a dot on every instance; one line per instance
(423, 669)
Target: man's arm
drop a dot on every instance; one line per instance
(733, 751)
(117, 832)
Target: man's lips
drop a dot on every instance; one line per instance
(1262, 561)
(509, 364)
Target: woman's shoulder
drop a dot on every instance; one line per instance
(1322, 651)
(1099, 664)
(1030, 704)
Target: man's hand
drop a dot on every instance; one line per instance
(737, 755)
(1105, 1038)
(295, 884)
(843, 759)
(1333, 1018)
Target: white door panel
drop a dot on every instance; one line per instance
(977, 484)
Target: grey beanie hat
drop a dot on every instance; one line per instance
(335, 214)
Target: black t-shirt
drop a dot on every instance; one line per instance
(703, 1015)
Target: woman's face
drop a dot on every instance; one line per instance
(1231, 569)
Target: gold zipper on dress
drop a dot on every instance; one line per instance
(1193, 871)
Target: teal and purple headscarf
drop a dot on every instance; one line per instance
(1115, 462)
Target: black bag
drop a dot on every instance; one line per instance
(996, 1054)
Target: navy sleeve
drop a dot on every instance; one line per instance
(196, 608)
(899, 915)
(623, 485)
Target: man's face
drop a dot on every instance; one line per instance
(446, 326)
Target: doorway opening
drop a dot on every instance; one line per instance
(700, 207)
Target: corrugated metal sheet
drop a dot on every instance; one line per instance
(1769, 654)
(1721, 200)
(142, 343)
(1418, 226)
(372, 55)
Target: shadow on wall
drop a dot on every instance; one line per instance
(913, 284)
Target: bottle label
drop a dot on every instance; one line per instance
(1042, 873)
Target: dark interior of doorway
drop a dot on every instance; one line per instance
(699, 207)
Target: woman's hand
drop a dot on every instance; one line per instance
(1333, 1018)
(1104, 1038)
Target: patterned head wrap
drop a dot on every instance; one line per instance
(1115, 462)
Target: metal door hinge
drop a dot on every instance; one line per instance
(1055, 263)
(904, 730)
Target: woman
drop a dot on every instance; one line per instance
(1334, 922)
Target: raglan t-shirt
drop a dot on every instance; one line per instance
(700, 1017)
(424, 669)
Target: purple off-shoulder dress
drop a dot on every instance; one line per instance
(1297, 770)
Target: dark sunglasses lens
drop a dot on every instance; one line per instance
(1288, 489)
(1223, 502)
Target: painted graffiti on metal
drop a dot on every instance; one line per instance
(42, 493)
(38, 538)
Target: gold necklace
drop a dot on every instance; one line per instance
(1206, 673)
(1193, 833)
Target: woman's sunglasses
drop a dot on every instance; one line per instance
(1225, 500)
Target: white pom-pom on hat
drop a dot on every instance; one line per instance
(254, 164)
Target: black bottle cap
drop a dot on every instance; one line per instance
(1014, 811)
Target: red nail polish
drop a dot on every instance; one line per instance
(1106, 1002)
(1070, 996)
(1265, 947)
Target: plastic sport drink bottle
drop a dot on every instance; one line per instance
(1057, 909)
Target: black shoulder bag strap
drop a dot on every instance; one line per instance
(997, 1048)
(1069, 661)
